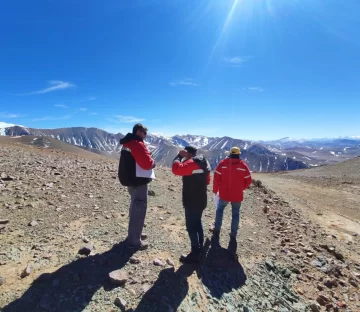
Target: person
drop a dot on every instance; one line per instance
(134, 151)
(231, 178)
(195, 172)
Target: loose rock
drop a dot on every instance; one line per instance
(121, 303)
(158, 262)
(33, 223)
(27, 271)
(118, 277)
(86, 250)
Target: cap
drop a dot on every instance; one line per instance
(191, 149)
(235, 150)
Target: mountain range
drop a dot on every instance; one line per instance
(261, 156)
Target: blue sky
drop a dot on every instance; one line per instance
(251, 69)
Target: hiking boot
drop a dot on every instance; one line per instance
(142, 246)
(192, 257)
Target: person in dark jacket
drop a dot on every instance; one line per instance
(134, 151)
(195, 172)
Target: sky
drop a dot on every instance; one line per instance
(249, 69)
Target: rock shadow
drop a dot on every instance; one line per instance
(72, 286)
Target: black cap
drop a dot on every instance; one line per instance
(191, 149)
(139, 126)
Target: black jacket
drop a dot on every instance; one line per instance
(195, 174)
(133, 151)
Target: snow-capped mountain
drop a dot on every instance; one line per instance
(283, 154)
(198, 141)
(79, 136)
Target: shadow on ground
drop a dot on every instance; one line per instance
(168, 291)
(71, 287)
(220, 270)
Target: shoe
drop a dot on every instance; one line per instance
(142, 246)
(191, 258)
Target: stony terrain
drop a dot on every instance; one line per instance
(63, 219)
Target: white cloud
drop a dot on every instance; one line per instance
(235, 61)
(54, 86)
(91, 98)
(93, 114)
(184, 82)
(9, 115)
(60, 105)
(83, 109)
(46, 118)
(254, 89)
(125, 119)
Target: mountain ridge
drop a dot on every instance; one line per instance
(278, 155)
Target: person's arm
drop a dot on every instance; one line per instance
(247, 177)
(217, 178)
(142, 155)
(183, 169)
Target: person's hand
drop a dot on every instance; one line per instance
(183, 153)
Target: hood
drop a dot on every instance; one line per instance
(203, 163)
(130, 137)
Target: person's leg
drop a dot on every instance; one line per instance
(235, 220)
(137, 215)
(191, 220)
(192, 223)
(131, 191)
(219, 216)
(200, 229)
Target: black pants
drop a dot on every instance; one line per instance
(194, 228)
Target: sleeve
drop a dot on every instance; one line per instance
(217, 178)
(183, 169)
(142, 156)
(247, 177)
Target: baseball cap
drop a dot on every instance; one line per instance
(235, 150)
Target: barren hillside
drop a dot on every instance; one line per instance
(63, 219)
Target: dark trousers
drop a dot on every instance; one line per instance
(137, 213)
(194, 228)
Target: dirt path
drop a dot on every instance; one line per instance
(335, 210)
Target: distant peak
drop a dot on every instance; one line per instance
(7, 125)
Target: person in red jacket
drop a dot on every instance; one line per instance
(134, 152)
(231, 178)
(195, 172)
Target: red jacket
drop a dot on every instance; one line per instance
(140, 152)
(187, 168)
(133, 152)
(231, 178)
(195, 174)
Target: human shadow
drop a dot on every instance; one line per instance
(168, 291)
(72, 286)
(221, 271)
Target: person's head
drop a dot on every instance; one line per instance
(191, 151)
(235, 152)
(140, 130)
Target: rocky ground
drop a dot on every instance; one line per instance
(63, 219)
